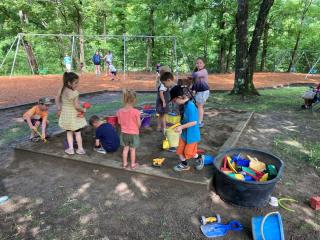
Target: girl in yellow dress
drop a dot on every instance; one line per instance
(69, 107)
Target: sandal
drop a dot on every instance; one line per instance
(81, 152)
(134, 166)
(125, 165)
(69, 151)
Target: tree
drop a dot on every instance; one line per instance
(246, 58)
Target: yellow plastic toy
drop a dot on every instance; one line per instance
(165, 144)
(256, 164)
(264, 177)
(171, 136)
(232, 166)
(157, 162)
(237, 176)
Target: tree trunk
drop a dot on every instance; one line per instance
(230, 49)
(294, 52)
(150, 41)
(222, 42)
(31, 57)
(246, 60)
(264, 46)
(241, 46)
(81, 44)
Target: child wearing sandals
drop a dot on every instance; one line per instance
(69, 107)
(163, 96)
(129, 121)
(189, 129)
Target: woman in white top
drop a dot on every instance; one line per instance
(108, 58)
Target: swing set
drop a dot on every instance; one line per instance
(42, 50)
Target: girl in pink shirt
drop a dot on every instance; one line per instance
(129, 121)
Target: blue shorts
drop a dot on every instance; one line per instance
(202, 97)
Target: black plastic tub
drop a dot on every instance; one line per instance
(246, 194)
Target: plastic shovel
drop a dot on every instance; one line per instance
(212, 230)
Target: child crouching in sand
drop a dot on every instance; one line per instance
(129, 121)
(38, 115)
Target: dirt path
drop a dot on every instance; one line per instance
(24, 89)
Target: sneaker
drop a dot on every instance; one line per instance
(100, 150)
(199, 162)
(81, 151)
(35, 139)
(172, 149)
(180, 167)
(69, 151)
(201, 124)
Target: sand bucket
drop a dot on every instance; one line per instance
(172, 136)
(113, 120)
(269, 227)
(173, 118)
(145, 120)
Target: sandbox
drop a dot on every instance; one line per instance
(222, 130)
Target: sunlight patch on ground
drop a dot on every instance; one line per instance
(138, 183)
(87, 218)
(123, 191)
(81, 190)
(268, 130)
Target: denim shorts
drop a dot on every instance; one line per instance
(201, 97)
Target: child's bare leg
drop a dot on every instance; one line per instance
(133, 157)
(79, 140)
(125, 156)
(163, 121)
(70, 139)
(159, 122)
(201, 112)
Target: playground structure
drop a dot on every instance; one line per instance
(42, 50)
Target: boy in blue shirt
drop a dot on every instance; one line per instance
(107, 139)
(189, 129)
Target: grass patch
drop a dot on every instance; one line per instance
(280, 99)
(308, 151)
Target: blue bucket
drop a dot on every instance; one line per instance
(269, 227)
(208, 160)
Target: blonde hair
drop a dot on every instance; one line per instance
(129, 96)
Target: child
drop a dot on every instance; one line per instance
(189, 128)
(163, 96)
(96, 59)
(162, 70)
(108, 58)
(158, 69)
(68, 107)
(107, 139)
(129, 120)
(113, 71)
(201, 87)
(38, 115)
(67, 62)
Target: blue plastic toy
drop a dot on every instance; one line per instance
(208, 160)
(240, 161)
(219, 229)
(268, 227)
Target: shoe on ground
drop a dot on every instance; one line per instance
(69, 151)
(201, 124)
(199, 162)
(81, 151)
(180, 167)
(172, 149)
(35, 139)
(100, 150)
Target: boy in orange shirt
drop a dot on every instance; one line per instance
(38, 115)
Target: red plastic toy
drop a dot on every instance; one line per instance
(315, 202)
(85, 105)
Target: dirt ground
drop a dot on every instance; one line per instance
(66, 200)
(24, 89)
